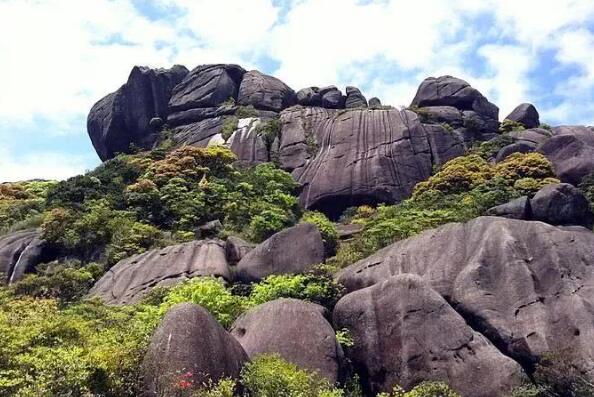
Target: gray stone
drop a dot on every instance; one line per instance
(248, 144)
(265, 92)
(295, 330)
(21, 252)
(518, 147)
(405, 333)
(190, 116)
(206, 86)
(525, 285)
(132, 278)
(562, 204)
(515, 209)
(526, 114)
(122, 118)
(571, 150)
(309, 97)
(371, 157)
(354, 98)
(534, 136)
(332, 97)
(375, 102)
(236, 248)
(441, 114)
(189, 346)
(293, 250)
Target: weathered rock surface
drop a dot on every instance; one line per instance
(332, 97)
(526, 286)
(189, 345)
(123, 117)
(518, 147)
(535, 136)
(20, 253)
(206, 86)
(375, 102)
(302, 127)
(516, 209)
(354, 98)
(405, 333)
(190, 116)
(132, 278)
(370, 157)
(265, 92)
(248, 144)
(294, 329)
(309, 96)
(562, 204)
(526, 114)
(293, 250)
(200, 133)
(571, 150)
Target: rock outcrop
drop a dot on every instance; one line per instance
(295, 330)
(525, 114)
(265, 92)
(20, 253)
(132, 278)
(370, 157)
(293, 250)
(354, 98)
(571, 150)
(526, 286)
(123, 117)
(332, 97)
(189, 348)
(562, 204)
(459, 104)
(406, 333)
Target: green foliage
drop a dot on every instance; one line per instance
(510, 125)
(83, 349)
(425, 389)
(246, 111)
(131, 238)
(529, 165)
(316, 286)
(490, 148)
(229, 127)
(210, 293)
(22, 204)
(326, 227)
(270, 130)
(345, 338)
(587, 187)
(458, 175)
(64, 281)
(271, 376)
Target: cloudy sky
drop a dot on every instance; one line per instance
(58, 57)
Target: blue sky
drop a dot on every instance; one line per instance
(58, 57)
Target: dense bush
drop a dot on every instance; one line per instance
(22, 204)
(326, 227)
(425, 389)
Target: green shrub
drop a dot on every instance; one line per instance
(131, 238)
(229, 127)
(425, 389)
(326, 227)
(246, 111)
(524, 165)
(490, 148)
(317, 287)
(210, 293)
(270, 131)
(271, 376)
(509, 125)
(458, 175)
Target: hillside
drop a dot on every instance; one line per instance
(245, 239)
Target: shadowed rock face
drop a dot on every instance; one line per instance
(189, 345)
(294, 329)
(526, 114)
(21, 252)
(370, 157)
(293, 250)
(122, 118)
(571, 150)
(526, 286)
(405, 333)
(132, 278)
(562, 204)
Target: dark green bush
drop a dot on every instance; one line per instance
(326, 227)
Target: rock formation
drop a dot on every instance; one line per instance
(132, 278)
(293, 250)
(525, 286)
(265, 92)
(189, 346)
(406, 333)
(21, 252)
(571, 150)
(295, 330)
(525, 114)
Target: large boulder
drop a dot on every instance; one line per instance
(370, 157)
(21, 252)
(309, 96)
(375, 103)
(534, 136)
(295, 330)
(188, 350)
(354, 98)
(517, 147)
(525, 114)
(122, 118)
(293, 250)
(562, 204)
(265, 92)
(405, 333)
(207, 86)
(236, 248)
(132, 278)
(526, 286)
(516, 209)
(332, 97)
(571, 150)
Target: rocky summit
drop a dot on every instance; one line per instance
(243, 238)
